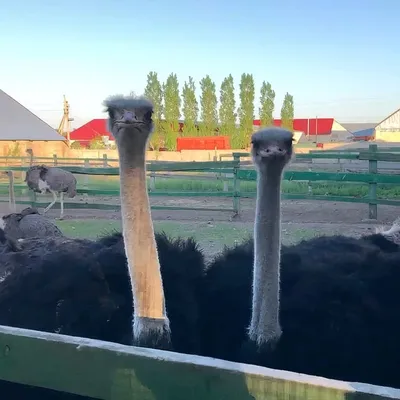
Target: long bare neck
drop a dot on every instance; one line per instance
(11, 191)
(265, 326)
(140, 244)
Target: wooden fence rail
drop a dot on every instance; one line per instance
(235, 173)
(109, 371)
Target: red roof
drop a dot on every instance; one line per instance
(92, 129)
(324, 125)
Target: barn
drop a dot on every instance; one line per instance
(320, 130)
(362, 131)
(21, 129)
(388, 130)
(94, 129)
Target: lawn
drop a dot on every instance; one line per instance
(217, 185)
(211, 237)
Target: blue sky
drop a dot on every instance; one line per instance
(337, 58)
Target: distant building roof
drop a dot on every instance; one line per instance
(364, 132)
(18, 123)
(358, 126)
(323, 126)
(94, 128)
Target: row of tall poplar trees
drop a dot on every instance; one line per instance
(204, 118)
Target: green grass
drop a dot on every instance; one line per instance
(217, 185)
(210, 237)
(198, 185)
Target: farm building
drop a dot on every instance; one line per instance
(321, 130)
(21, 129)
(96, 128)
(361, 131)
(388, 130)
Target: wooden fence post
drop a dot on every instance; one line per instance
(32, 197)
(373, 169)
(87, 165)
(152, 185)
(55, 160)
(105, 161)
(236, 186)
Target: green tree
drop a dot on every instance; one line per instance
(208, 101)
(190, 108)
(153, 91)
(172, 104)
(246, 111)
(227, 109)
(97, 143)
(76, 145)
(287, 112)
(267, 104)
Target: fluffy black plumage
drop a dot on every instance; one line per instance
(339, 312)
(82, 288)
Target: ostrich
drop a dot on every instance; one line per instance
(328, 306)
(28, 223)
(42, 179)
(111, 288)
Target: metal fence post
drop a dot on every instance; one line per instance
(373, 169)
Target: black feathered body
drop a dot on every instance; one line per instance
(340, 302)
(82, 288)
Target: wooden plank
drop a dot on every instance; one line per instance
(187, 193)
(358, 150)
(343, 177)
(310, 156)
(109, 371)
(344, 199)
(115, 207)
(379, 156)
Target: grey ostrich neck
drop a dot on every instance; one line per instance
(271, 151)
(267, 244)
(151, 325)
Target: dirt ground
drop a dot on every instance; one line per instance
(348, 218)
(214, 229)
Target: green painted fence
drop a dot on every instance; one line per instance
(110, 371)
(238, 174)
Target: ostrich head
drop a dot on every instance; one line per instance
(272, 148)
(130, 120)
